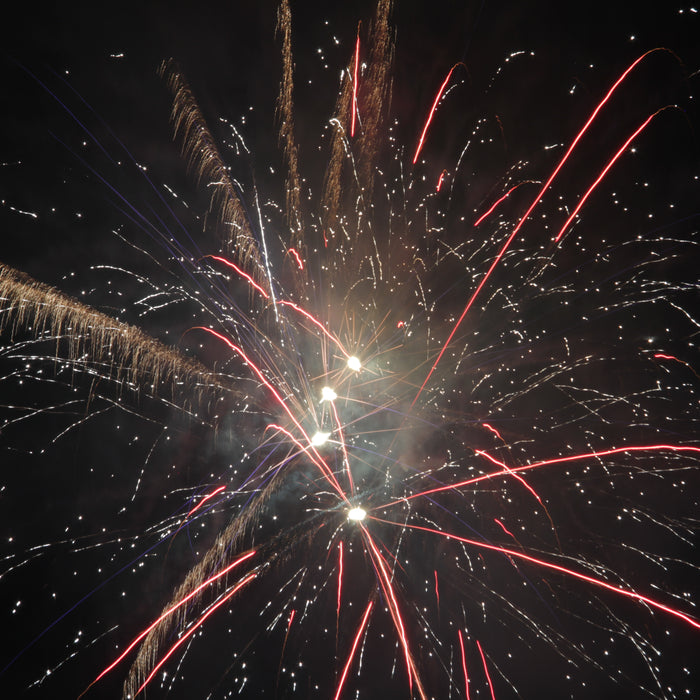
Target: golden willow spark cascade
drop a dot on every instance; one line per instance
(464, 436)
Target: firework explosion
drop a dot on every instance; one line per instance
(421, 416)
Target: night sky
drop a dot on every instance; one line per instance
(571, 349)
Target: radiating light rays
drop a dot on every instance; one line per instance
(357, 514)
(376, 505)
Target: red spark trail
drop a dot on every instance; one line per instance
(586, 455)
(441, 180)
(464, 663)
(555, 567)
(316, 457)
(432, 112)
(297, 257)
(661, 356)
(291, 304)
(318, 324)
(360, 630)
(605, 170)
(205, 499)
(194, 628)
(301, 447)
(486, 670)
(437, 590)
(340, 577)
(168, 612)
(354, 84)
(498, 201)
(522, 481)
(504, 528)
(505, 470)
(284, 646)
(385, 582)
(493, 430)
(243, 274)
(525, 216)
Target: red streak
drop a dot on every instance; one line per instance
(297, 257)
(437, 590)
(441, 180)
(193, 629)
(354, 84)
(245, 275)
(522, 481)
(555, 567)
(280, 429)
(315, 457)
(464, 663)
(171, 610)
(661, 356)
(385, 581)
(504, 528)
(294, 306)
(204, 500)
(360, 630)
(432, 113)
(291, 617)
(340, 576)
(604, 172)
(493, 430)
(496, 203)
(586, 455)
(511, 470)
(519, 225)
(486, 670)
(317, 323)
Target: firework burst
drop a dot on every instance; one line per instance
(421, 417)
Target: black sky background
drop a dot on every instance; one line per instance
(108, 57)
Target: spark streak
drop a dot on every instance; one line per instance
(316, 457)
(170, 611)
(354, 84)
(431, 114)
(464, 664)
(554, 567)
(194, 628)
(506, 470)
(241, 273)
(604, 172)
(526, 215)
(486, 670)
(351, 655)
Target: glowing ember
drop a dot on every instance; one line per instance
(319, 438)
(357, 514)
(327, 394)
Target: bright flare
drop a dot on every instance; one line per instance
(327, 394)
(319, 438)
(357, 514)
(354, 363)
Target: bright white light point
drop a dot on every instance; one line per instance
(327, 394)
(319, 438)
(354, 363)
(356, 514)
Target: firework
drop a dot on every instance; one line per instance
(415, 418)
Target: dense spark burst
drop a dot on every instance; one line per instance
(421, 418)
